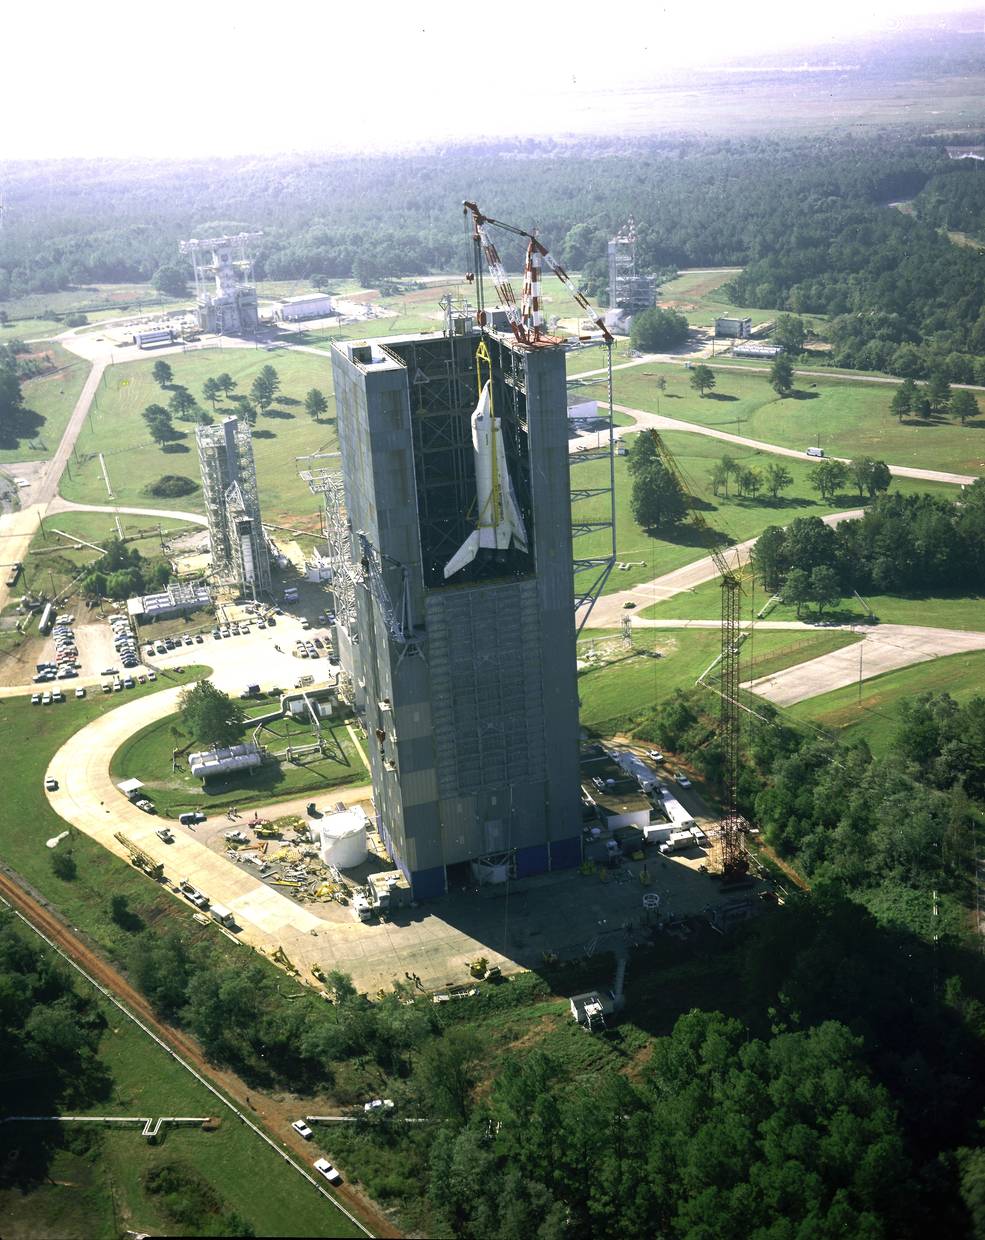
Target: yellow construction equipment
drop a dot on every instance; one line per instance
(139, 858)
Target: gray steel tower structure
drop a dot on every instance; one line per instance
(225, 294)
(461, 644)
(229, 483)
(628, 291)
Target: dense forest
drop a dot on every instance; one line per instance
(808, 218)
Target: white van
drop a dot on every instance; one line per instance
(222, 915)
(815, 452)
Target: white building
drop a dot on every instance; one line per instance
(305, 306)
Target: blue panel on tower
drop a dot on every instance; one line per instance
(533, 860)
(565, 854)
(428, 884)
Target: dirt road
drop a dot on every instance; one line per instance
(277, 1114)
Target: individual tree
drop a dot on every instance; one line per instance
(210, 716)
(768, 556)
(225, 382)
(750, 481)
(880, 478)
(643, 452)
(721, 472)
(262, 393)
(660, 384)
(320, 281)
(171, 279)
(271, 378)
(657, 499)
(825, 588)
(448, 1070)
(778, 478)
(964, 405)
(781, 376)
(789, 332)
(162, 372)
(315, 404)
(939, 392)
(656, 330)
(702, 379)
(797, 588)
(923, 406)
(159, 423)
(828, 477)
(211, 390)
(182, 402)
(11, 397)
(902, 402)
(63, 865)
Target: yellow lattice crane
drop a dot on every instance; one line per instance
(734, 860)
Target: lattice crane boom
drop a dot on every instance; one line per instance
(527, 324)
(734, 862)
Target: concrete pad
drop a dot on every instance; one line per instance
(884, 648)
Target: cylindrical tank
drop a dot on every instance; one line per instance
(343, 839)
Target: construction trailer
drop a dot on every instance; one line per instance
(304, 306)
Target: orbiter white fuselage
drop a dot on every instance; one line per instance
(498, 521)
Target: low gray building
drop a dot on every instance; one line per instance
(178, 599)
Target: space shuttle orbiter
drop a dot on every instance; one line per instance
(498, 520)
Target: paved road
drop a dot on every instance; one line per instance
(169, 514)
(884, 648)
(610, 610)
(659, 422)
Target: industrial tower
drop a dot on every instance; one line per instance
(462, 665)
(240, 557)
(629, 291)
(224, 290)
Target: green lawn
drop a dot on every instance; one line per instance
(874, 717)
(701, 297)
(934, 611)
(109, 298)
(53, 562)
(48, 403)
(623, 685)
(852, 419)
(147, 756)
(133, 460)
(736, 518)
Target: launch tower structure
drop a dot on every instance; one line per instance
(628, 290)
(225, 293)
(240, 556)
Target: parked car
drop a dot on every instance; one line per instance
(191, 817)
(51, 785)
(654, 755)
(682, 779)
(35, 698)
(46, 699)
(165, 834)
(152, 675)
(328, 1171)
(302, 1129)
(147, 806)
(80, 692)
(378, 1104)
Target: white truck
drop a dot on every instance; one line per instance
(678, 840)
(223, 916)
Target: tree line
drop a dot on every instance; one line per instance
(903, 544)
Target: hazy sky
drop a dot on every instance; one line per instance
(88, 77)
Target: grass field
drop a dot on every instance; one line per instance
(874, 715)
(851, 419)
(147, 756)
(116, 428)
(95, 300)
(53, 562)
(934, 611)
(701, 297)
(48, 403)
(623, 684)
(736, 518)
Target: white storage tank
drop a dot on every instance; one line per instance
(343, 838)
